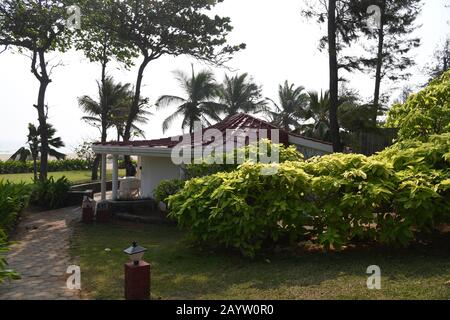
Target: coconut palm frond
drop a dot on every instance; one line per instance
(241, 94)
(201, 90)
(167, 100)
(169, 120)
(21, 155)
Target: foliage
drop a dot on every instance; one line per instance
(317, 110)
(5, 274)
(50, 194)
(112, 108)
(241, 94)
(36, 28)
(199, 106)
(35, 148)
(356, 118)
(391, 57)
(209, 167)
(96, 37)
(34, 144)
(332, 200)
(13, 199)
(441, 60)
(168, 188)
(175, 27)
(85, 152)
(12, 167)
(424, 113)
(292, 106)
(111, 95)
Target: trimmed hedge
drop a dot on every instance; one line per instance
(13, 167)
(332, 200)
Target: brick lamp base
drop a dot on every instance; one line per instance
(88, 215)
(137, 281)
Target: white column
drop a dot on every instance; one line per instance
(103, 177)
(115, 177)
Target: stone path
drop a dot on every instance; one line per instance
(41, 256)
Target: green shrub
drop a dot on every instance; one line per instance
(205, 169)
(5, 274)
(50, 194)
(167, 188)
(13, 199)
(122, 165)
(332, 200)
(13, 167)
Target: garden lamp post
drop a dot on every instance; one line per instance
(136, 253)
(137, 274)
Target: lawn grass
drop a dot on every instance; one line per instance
(75, 177)
(182, 272)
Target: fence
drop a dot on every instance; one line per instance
(370, 142)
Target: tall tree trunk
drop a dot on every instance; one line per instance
(135, 105)
(134, 109)
(334, 79)
(105, 111)
(445, 62)
(95, 167)
(376, 98)
(35, 175)
(44, 81)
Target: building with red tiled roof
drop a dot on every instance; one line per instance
(156, 156)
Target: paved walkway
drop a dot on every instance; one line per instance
(41, 256)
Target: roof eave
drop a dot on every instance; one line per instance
(133, 151)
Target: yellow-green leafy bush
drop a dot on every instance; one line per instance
(331, 200)
(425, 113)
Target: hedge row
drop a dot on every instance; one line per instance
(332, 200)
(12, 167)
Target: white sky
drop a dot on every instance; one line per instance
(281, 46)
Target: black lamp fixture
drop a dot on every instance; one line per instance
(135, 252)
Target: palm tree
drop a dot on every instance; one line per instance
(292, 108)
(198, 106)
(34, 146)
(22, 155)
(318, 111)
(100, 113)
(240, 94)
(120, 116)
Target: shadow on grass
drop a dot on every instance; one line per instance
(182, 272)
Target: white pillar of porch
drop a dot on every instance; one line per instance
(103, 177)
(115, 177)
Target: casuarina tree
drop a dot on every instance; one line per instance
(341, 32)
(389, 58)
(37, 27)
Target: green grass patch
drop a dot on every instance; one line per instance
(75, 177)
(182, 272)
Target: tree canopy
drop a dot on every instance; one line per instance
(424, 113)
(171, 27)
(198, 106)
